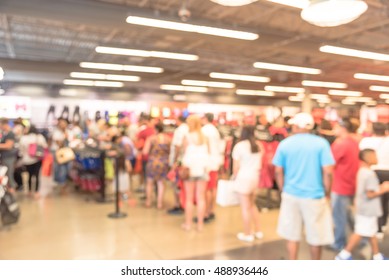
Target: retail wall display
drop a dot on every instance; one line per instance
(15, 107)
(44, 112)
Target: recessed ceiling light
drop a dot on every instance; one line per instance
(328, 13)
(239, 77)
(287, 68)
(90, 83)
(307, 83)
(207, 84)
(187, 27)
(345, 93)
(119, 67)
(285, 89)
(234, 3)
(183, 88)
(372, 77)
(354, 53)
(254, 92)
(144, 53)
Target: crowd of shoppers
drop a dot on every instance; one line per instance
(332, 180)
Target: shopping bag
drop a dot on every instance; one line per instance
(226, 195)
(36, 151)
(47, 165)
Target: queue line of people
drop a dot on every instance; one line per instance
(309, 170)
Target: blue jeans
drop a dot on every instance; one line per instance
(342, 216)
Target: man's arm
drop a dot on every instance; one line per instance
(327, 178)
(279, 172)
(8, 145)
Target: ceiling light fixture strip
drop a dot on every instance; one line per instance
(187, 27)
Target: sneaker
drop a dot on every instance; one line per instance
(245, 238)
(176, 211)
(211, 217)
(381, 257)
(380, 235)
(259, 235)
(339, 258)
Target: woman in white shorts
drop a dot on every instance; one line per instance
(196, 160)
(247, 165)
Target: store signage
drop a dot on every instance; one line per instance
(15, 107)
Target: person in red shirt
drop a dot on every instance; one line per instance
(346, 153)
(146, 130)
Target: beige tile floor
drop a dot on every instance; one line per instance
(72, 228)
(69, 227)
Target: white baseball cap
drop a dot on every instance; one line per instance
(302, 120)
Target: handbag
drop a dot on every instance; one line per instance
(183, 173)
(226, 195)
(64, 155)
(35, 150)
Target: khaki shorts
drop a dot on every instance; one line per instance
(314, 215)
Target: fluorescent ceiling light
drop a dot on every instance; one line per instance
(359, 99)
(300, 4)
(326, 101)
(354, 53)
(307, 83)
(254, 92)
(238, 77)
(371, 103)
(143, 53)
(68, 92)
(179, 97)
(119, 67)
(187, 27)
(233, 3)
(384, 96)
(371, 77)
(184, 88)
(319, 96)
(285, 89)
(348, 102)
(97, 76)
(327, 13)
(295, 99)
(207, 84)
(379, 88)
(89, 83)
(345, 93)
(287, 68)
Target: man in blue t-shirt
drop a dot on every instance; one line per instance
(304, 165)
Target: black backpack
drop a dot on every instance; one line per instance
(9, 208)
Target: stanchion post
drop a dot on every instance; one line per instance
(117, 214)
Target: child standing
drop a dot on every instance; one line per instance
(368, 207)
